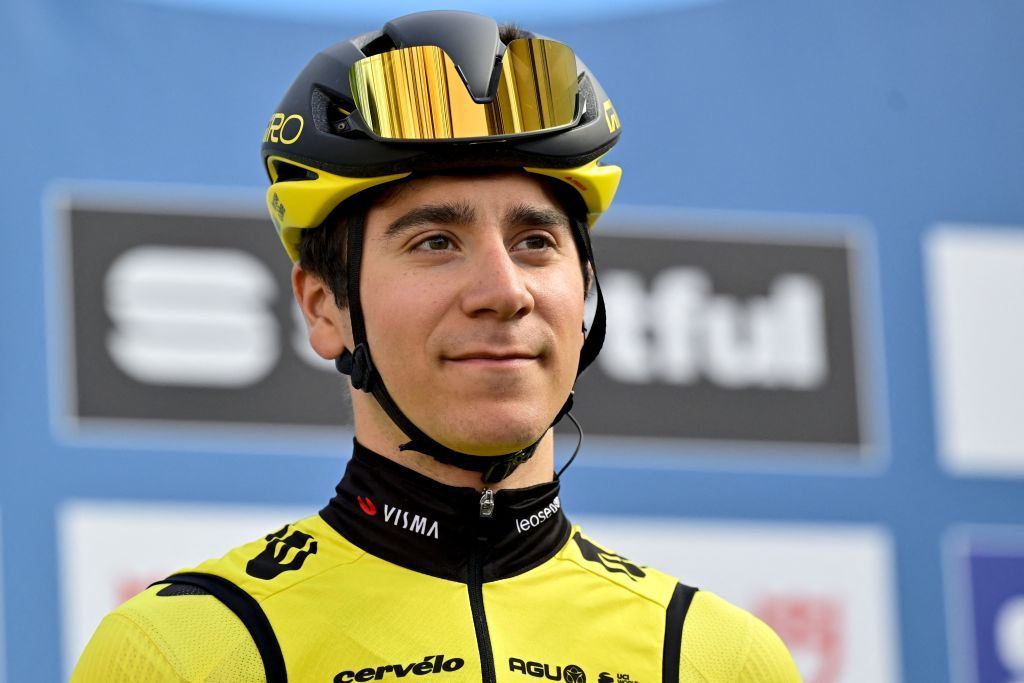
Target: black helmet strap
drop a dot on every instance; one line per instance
(358, 365)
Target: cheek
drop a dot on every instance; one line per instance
(565, 309)
(398, 323)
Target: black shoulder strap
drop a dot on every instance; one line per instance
(678, 606)
(245, 608)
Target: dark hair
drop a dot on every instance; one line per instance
(322, 250)
(511, 31)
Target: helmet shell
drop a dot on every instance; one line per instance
(308, 126)
(318, 151)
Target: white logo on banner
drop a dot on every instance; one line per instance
(826, 590)
(192, 316)
(977, 341)
(1009, 635)
(111, 551)
(680, 331)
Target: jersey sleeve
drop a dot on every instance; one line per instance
(725, 644)
(167, 639)
(768, 658)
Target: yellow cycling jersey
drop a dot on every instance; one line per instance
(403, 577)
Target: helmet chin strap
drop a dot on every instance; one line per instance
(358, 365)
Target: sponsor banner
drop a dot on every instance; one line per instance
(827, 590)
(725, 336)
(985, 599)
(111, 551)
(976, 342)
(184, 313)
(181, 313)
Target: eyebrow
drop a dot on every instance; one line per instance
(526, 214)
(460, 213)
(447, 213)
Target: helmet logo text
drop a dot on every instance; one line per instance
(287, 129)
(611, 117)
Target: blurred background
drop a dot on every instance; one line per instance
(810, 397)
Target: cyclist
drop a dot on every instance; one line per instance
(434, 183)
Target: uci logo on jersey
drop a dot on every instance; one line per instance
(606, 677)
(285, 129)
(282, 554)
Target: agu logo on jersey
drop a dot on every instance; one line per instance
(571, 673)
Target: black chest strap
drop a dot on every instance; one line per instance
(247, 610)
(678, 606)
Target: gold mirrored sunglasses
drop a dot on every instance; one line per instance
(417, 93)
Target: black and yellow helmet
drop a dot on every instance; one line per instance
(434, 91)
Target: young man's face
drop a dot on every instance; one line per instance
(473, 298)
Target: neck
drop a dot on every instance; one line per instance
(384, 439)
(402, 517)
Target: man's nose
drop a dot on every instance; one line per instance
(496, 284)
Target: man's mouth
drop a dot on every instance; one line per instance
(496, 358)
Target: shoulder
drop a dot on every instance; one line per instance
(612, 570)
(168, 635)
(284, 558)
(173, 633)
(722, 642)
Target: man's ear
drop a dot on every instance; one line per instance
(330, 330)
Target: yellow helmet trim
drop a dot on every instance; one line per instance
(596, 184)
(297, 205)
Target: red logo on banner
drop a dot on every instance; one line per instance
(367, 505)
(812, 628)
(126, 587)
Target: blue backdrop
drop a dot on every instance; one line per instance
(904, 114)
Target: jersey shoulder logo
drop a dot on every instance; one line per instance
(284, 553)
(612, 562)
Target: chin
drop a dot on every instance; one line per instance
(486, 433)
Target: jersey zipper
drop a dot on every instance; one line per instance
(487, 504)
(476, 587)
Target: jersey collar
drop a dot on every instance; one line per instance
(411, 520)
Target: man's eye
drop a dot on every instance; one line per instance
(435, 243)
(535, 242)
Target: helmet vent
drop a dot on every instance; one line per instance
(379, 45)
(331, 112)
(588, 100)
(286, 172)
